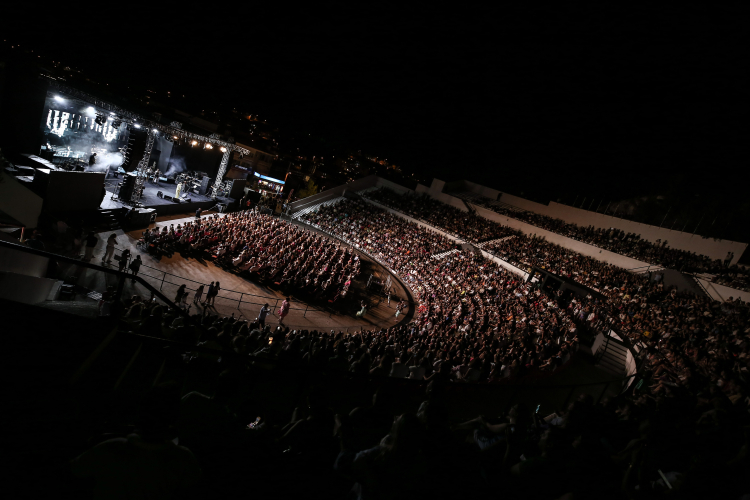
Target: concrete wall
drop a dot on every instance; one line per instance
(435, 191)
(716, 249)
(722, 292)
(18, 201)
(19, 262)
(490, 193)
(569, 243)
(24, 289)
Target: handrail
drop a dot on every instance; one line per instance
(221, 290)
(407, 287)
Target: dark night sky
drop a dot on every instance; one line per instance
(605, 99)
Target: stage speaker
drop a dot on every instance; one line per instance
(204, 184)
(137, 146)
(141, 218)
(126, 190)
(167, 197)
(159, 194)
(237, 190)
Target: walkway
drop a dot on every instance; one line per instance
(239, 296)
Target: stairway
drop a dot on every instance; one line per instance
(482, 245)
(611, 357)
(443, 255)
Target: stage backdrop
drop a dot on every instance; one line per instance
(195, 158)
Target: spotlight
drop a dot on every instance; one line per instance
(136, 125)
(223, 149)
(175, 137)
(194, 143)
(59, 99)
(209, 146)
(90, 109)
(100, 119)
(116, 123)
(155, 131)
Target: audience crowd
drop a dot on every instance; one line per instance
(683, 429)
(615, 240)
(263, 246)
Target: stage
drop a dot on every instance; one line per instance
(149, 199)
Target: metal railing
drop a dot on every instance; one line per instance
(162, 279)
(121, 277)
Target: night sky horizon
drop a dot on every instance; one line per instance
(604, 100)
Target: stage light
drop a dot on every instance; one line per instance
(116, 123)
(90, 109)
(209, 146)
(155, 131)
(136, 125)
(175, 137)
(59, 99)
(223, 149)
(194, 143)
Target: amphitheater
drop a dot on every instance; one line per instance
(438, 342)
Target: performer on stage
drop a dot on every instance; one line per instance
(92, 159)
(178, 191)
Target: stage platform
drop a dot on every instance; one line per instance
(162, 206)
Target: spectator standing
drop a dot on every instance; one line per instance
(283, 310)
(399, 308)
(262, 315)
(198, 213)
(363, 310)
(111, 242)
(209, 292)
(198, 294)
(124, 258)
(212, 293)
(135, 266)
(180, 293)
(91, 241)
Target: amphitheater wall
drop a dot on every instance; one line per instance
(714, 248)
(565, 242)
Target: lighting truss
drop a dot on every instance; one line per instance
(140, 180)
(220, 174)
